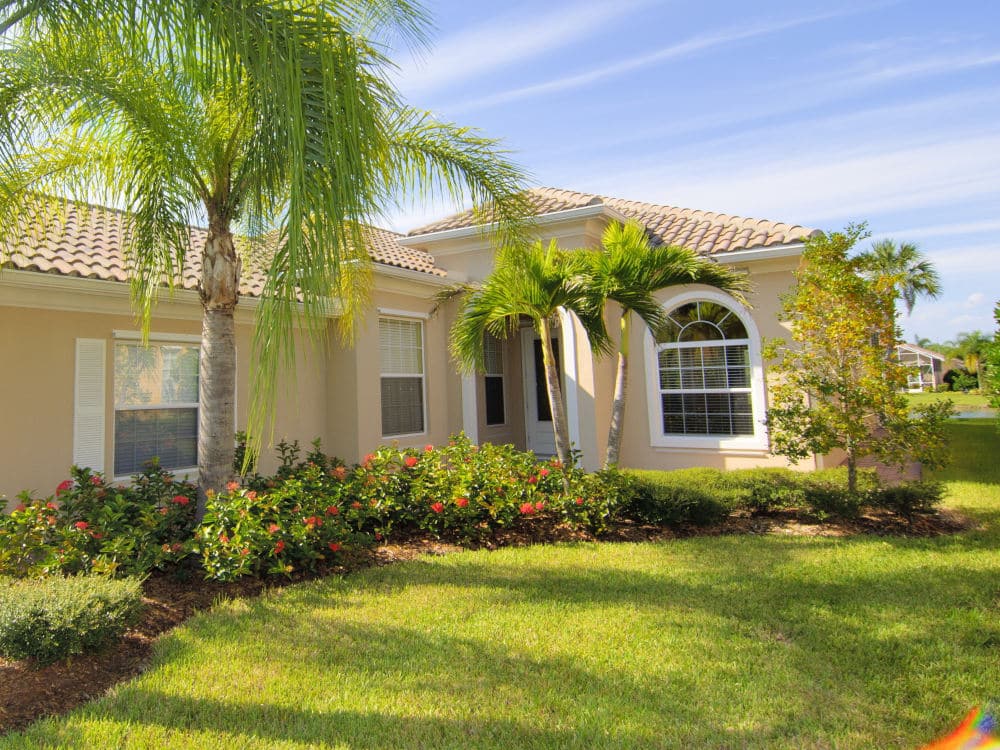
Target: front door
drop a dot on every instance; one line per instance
(538, 416)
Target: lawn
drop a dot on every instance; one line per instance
(962, 401)
(741, 641)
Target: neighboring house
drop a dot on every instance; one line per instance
(925, 368)
(78, 387)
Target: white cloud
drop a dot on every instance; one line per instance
(974, 300)
(989, 226)
(503, 41)
(686, 48)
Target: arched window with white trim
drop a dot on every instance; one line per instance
(705, 376)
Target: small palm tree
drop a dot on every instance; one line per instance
(627, 271)
(532, 281)
(166, 125)
(903, 267)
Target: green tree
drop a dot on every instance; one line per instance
(991, 365)
(627, 270)
(970, 347)
(834, 387)
(533, 281)
(283, 129)
(903, 266)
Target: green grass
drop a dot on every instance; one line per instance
(756, 642)
(962, 401)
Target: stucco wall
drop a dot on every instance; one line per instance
(771, 279)
(37, 390)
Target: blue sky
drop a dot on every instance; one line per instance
(813, 113)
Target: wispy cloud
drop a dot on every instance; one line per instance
(506, 40)
(989, 226)
(687, 48)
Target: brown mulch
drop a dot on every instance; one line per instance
(29, 692)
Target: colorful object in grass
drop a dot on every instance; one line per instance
(976, 732)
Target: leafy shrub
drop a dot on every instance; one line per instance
(826, 492)
(290, 528)
(910, 498)
(89, 525)
(683, 496)
(52, 618)
(595, 501)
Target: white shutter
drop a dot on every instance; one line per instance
(88, 404)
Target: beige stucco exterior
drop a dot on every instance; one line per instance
(334, 392)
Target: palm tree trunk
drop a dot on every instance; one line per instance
(217, 375)
(618, 405)
(559, 425)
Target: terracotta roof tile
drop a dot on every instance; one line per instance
(703, 231)
(86, 241)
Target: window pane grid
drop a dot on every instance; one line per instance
(704, 373)
(402, 383)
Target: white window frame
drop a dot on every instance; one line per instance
(657, 437)
(418, 319)
(134, 338)
(503, 383)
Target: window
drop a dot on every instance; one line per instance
(493, 380)
(703, 369)
(156, 406)
(401, 346)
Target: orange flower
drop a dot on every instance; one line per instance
(332, 510)
(462, 502)
(527, 509)
(437, 507)
(334, 547)
(279, 547)
(410, 461)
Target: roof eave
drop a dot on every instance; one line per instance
(784, 250)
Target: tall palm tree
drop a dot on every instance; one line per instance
(532, 281)
(171, 124)
(903, 267)
(628, 270)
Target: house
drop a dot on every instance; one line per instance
(78, 386)
(925, 368)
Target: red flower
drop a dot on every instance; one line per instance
(176, 547)
(356, 505)
(527, 509)
(181, 499)
(251, 495)
(369, 458)
(543, 473)
(410, 461)
(95, 480)
(428, 448)
(81, 525)
(339, 473)
(332, 510)
(223, 538)
(244, 552)
(539, 506)
(378, 537)
(232, 486)
(556, 463)
(532, 480)
(51, 505)
(313, 521)
(579, 501)
(334, 547)
(97, 535)
(462, 502)
(437, 507)
(19, 508)
(164, 511)
(279, 547)
(64, 486)
(273, 528)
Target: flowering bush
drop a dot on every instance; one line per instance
(88, 525)
(292, 527)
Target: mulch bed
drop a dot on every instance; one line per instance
(29, 692)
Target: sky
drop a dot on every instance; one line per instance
(812, 113)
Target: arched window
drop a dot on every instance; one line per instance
(706, 379)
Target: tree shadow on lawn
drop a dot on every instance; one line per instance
(857, 658)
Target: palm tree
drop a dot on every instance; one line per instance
(903, 267)
(197, 119)
(532, 281)
(628, 270)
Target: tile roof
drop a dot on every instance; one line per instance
(703, 231)
(86, 241)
